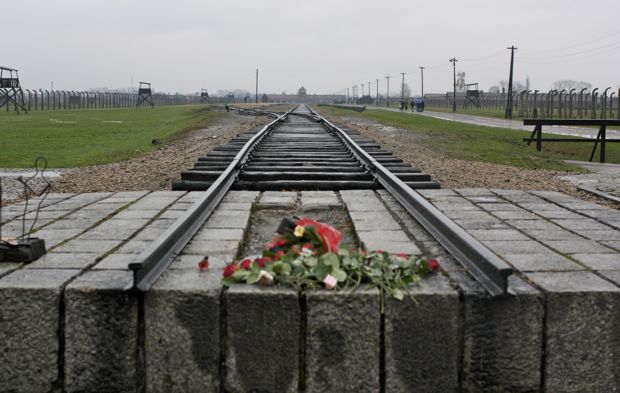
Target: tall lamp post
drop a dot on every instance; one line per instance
(453, 61)
(387, 96)
(422, 80)
(377, 99)
(402, 88)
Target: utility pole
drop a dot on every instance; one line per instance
(509, 100)
(362, 89)
(402, 88)
(257, 85)
(422, 84)
(347, 95)
(453, 61)
(387, 96)
(377, 99)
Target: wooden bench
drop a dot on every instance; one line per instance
(601, 137)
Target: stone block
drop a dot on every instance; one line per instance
(279, 199)
(88, 245)
(481, 224)
(540, 262)
(101, 327)
(502, 337)
(313, 200)
(209, 247)
(362, 201)
(263, 339)
(219, 234)
(497, 234)
(132, 214)
(422, 341)
(515, 215)
(134, 246)
(577, 246)
(182, 332)
(7, 267)
(446, 206)
(343, 340)
(582, 332)
(241, 196)
(599, 261)
(374, 221)
(64, 260)
(581, 224)
(190, 261)
(29, 324)
(229, 219)
(116, 261)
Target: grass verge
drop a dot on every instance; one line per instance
(486, 144)
(93, 136)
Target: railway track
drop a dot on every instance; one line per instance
(302, 153)
(301, 150)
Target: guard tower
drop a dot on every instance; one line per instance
(10, 89)
(472, 95)
(204, 96)
(145, 95)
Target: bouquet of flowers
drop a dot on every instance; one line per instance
(306, 254)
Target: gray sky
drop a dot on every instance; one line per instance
(185, 45)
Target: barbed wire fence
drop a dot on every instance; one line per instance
(563, 104)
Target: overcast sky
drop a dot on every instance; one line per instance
(324, 45)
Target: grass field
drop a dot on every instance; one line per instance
(93, 136)
(479, 143)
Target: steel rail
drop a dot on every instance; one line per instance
(153, 261)
(486, 267)
(253, 111)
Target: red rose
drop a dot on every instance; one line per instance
(278, 255)
(203, 264)
(330, 237)
(294, 248)
(246, 264)
(230, 270)
(261, 261)
(280, 243)
(402, 255)
(433, 265)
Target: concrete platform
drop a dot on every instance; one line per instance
(67, 321)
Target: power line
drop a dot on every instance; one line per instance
(606, 47)
(601, 38)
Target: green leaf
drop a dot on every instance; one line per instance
(321, 270)
(340, 275)
(331, 259)
(228, 281)
(311, 261)
(252, 278)
(240, 274)
(398, 294)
